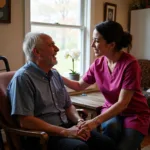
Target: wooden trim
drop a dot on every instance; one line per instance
(107, 8)
(7, 10)
(83, 92)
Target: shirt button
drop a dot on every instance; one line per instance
(53, 93)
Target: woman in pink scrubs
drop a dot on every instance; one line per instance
(125, 115)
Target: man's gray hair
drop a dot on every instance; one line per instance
(32, 40)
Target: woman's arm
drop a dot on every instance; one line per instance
(122, 103)
(75, 85)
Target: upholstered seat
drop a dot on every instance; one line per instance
(13, 132)
(145, 67)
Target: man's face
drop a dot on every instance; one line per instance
(47, 51)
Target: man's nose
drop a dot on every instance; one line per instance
(56, 49)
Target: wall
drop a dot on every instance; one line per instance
(122, 11)
(121, 14)
(140, 23)
(12, 34)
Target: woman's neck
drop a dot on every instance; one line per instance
(113, 58)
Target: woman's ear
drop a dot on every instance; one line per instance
(112, 45)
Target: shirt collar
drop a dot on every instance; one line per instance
(39, 70)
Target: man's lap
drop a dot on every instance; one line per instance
(95, 142)
(62, 143)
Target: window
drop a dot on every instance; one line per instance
(68, 22)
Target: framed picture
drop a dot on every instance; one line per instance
(110, 11)
(147, 2)
(5, 12)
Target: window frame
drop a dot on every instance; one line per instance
(86, 27)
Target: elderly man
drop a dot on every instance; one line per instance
(40, 102)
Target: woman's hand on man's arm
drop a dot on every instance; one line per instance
(75, 85)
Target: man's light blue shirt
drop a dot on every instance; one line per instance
(32, 92)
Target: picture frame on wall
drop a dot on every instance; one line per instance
(5, 11)
(110, 11)
(147, 2)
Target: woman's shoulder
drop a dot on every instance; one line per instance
(99, 60)
(98, 63)
(128, 58)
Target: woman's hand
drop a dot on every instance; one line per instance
(87, 126)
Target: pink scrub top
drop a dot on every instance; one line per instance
(126, 75)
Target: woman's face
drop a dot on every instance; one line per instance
(99, 44)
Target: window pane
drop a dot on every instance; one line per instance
(56, 11)
(65, 39)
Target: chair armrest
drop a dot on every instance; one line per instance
(41, 134)
(22, 132)
(83, 113)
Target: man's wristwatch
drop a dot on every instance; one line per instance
(80, 119)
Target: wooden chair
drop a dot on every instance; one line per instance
(145, 82)
(4, 66)
(145, 68)
(12, 130)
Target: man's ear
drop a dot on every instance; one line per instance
(36, 52)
